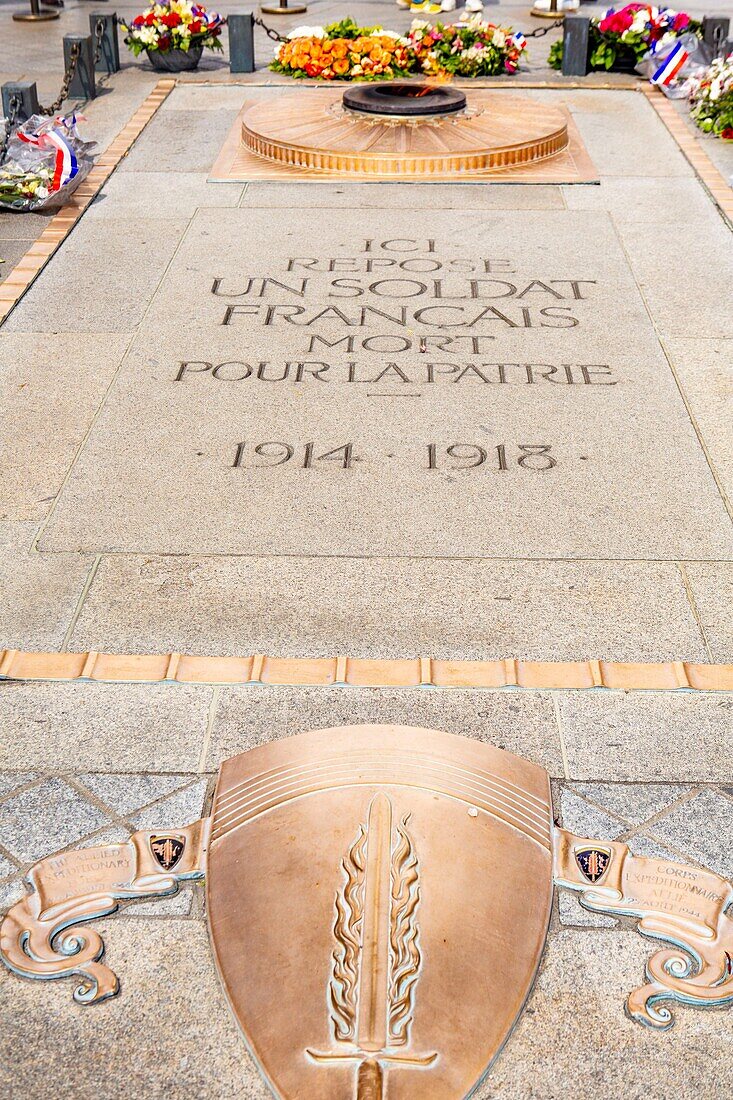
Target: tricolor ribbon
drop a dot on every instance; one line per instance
(65, 165)
(519, 40)
(670, 67)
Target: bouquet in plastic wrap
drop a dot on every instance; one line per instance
(46, 160)
(711, 98)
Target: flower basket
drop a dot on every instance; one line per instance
(470, 48)
(175, 61)
(621, 37)
(174, 34)
(625, 61)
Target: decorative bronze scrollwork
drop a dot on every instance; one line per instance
(40, 937)
(686, 907)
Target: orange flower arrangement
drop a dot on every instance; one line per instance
(343, 51)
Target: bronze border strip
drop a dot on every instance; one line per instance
(693, 149)
(25, 271)
(342, 671)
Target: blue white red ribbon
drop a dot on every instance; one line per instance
(671, 66)
(65, 162)
(519, 40)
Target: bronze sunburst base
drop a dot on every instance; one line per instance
(313, 136)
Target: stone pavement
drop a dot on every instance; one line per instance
(572, 384)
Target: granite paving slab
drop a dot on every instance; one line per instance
(40, 592)
(585, 820)
(648, 737)
(704, 369)
(701, 827)
(45, 818)
(170, 1034)
(102, 280)
(11, 251)
(572, 914)
(632, 802)
(184, 806)
(52, 385)
(522, 723)
(623, 136)
(389, 608)
(103, 727)
(645, 199)
(175, 195)
(389, 196)
(23, 227)
(576, 1007)
(181, 140)
(669, 299)
(712, 585)
(125, 793)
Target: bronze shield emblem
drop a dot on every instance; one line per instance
(378, 899)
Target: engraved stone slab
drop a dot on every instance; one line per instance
(463, 387)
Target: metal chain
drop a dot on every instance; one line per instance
(540, 31)
(98, 36)
(14, 104)
(74, 53)
(270, 31)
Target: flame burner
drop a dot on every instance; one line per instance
(405, 100)
(393, 131)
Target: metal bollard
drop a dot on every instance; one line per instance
(109, 46)
(575, 45)
(283, 8)
(26, 96)
(715, 32)
(35, 15)
(241, 43)
(83, 84)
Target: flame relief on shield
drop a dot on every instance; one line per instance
(377, 959)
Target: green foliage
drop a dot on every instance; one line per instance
(556, 52)
(348, 28)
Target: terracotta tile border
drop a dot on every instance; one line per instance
(61, 224)
(693, 149)
(183, 668)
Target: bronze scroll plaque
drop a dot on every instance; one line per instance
(378, 899)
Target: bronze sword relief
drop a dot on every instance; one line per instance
(376, 963)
